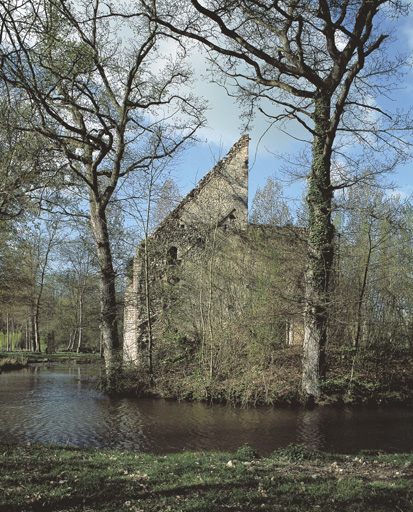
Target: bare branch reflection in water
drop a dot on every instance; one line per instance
(58, 404)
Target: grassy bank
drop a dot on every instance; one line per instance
(294, 479)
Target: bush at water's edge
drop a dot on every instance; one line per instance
(12, 363)
(384, 380)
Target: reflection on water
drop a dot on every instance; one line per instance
(59, 405)
(311, 429)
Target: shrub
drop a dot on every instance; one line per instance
(297, 453)
(246, 453)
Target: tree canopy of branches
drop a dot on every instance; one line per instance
(313, 67)
(107, 107)
(26, 165)
(269, 206)
(374, 290)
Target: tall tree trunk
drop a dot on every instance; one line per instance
(356, 341)
(211, 265)
(79, 344)
(8, 334)
(38, 348)
(12, 332)
(27, 336)
(108, 306)
(38, 298)
(320, 252)
(32, 339)
(72, 338)
(148, 285)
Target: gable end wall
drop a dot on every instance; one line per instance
(219, 199)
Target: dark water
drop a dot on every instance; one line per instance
(59, 405)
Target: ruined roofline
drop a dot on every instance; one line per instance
(284, 227)
(242, 142)
(299, 232)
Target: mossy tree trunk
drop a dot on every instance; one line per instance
(320, 251)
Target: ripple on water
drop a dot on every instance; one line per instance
(58, 405)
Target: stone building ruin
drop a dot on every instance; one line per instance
(207, 232)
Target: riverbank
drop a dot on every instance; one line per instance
(8, 363)
(364, 378)
(18, 360)
(64, 479)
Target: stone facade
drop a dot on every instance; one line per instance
(219, 199)
(214, 215)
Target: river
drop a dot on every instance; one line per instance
(59, 404)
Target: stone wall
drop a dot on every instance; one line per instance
(219, 201)
(213, 276)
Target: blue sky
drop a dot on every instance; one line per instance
(224, 130)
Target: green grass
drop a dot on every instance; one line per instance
(61, 479)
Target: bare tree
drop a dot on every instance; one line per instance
(151, 198)
(109, 108)
(36, 249)
(373, 295)
(80, 280)
(169, 196)
(316, 68)
(269, 205)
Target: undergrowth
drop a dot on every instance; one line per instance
(275, 383)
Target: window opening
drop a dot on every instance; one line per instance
(172, 256)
